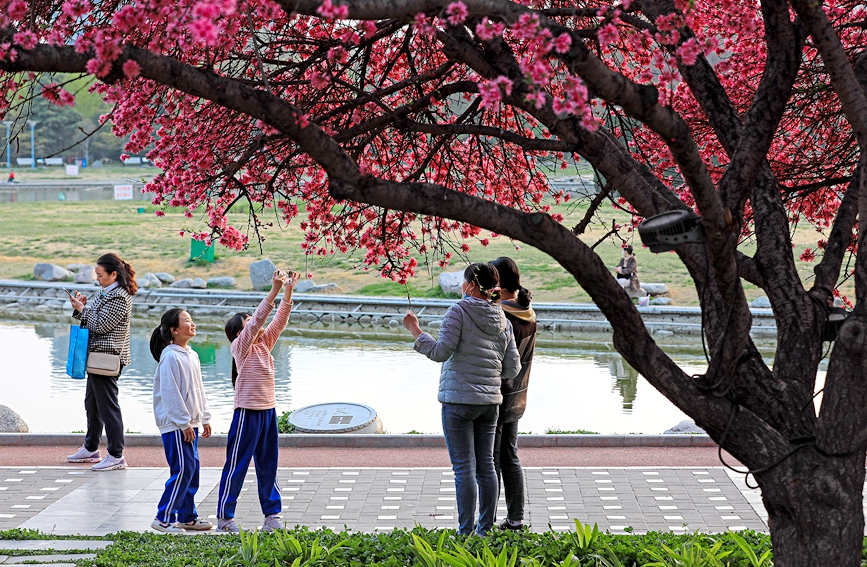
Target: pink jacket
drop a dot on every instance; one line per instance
(254, 387)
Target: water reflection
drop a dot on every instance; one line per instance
(587, 388)
(624, 378)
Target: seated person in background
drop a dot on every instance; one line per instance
(626, 270)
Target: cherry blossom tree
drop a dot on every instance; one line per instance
(398, 122)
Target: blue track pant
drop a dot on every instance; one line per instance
(183, 459)
(253, 435)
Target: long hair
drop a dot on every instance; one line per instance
(485, 276)
(510, 279)
(161, 337)
(111, 262)
(235, 325)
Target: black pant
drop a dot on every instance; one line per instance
(509, 468)
(102, 408)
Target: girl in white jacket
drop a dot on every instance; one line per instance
(180, 408)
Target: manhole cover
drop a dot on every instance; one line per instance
(334, 417)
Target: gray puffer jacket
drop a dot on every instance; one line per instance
(477, 348)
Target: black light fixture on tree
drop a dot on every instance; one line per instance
(665, 231)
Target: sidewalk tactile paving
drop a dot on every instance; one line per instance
(706, 499)
(19, 498)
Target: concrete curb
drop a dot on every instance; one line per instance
(382, 441)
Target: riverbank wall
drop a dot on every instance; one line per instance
(30, 300)
(380, 441)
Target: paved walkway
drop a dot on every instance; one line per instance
(71, 499)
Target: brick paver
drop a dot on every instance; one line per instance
(380, 499)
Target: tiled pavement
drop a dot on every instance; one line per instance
(63, 501)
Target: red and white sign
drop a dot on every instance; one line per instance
(123, 192)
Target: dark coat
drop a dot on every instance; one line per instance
(515, 390)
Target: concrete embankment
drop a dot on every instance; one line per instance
(26, 300)
(381, 441)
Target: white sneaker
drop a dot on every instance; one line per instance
(166, 528)
(196, 525)
(272, 523)
(110, 463)
(84, 456)
(228, 526)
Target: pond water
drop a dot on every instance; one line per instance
(591, 389)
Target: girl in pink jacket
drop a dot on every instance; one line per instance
(253, 433)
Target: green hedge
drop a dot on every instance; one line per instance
(402, 548)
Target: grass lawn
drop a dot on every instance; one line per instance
(78, 232)
(112, 170)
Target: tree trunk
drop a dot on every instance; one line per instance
(815, 509)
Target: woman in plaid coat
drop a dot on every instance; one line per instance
(107, 318)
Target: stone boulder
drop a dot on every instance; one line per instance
(687, 427)
(75, 267)
(450, 282)
(51, 273)
(86, 274)
(185, 283)
(655, 288)
(261, 273)
(165, 277)
(199, 283)
(660, 301)
(304, 286)
(225, 282)
(150, 280)
(761, 302)
(320, 288)
(11, 422)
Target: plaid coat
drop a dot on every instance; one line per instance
(107, 317)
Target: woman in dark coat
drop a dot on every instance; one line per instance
(515, 301)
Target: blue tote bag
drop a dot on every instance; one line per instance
(76, 358)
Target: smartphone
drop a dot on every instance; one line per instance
(69, 293)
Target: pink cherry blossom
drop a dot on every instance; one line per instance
(368, 27)
(488, 30)
(457, 13)
(26, 39)
(75, 8)
(131, 69)
(563, 43)
(422, 25)
(319, 80)
(689, 51)
(608, 34)
(492, 92)
(18, 9)
(329, 10)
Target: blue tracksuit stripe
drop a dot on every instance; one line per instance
(252, 436)
(178, 496)
(234, 442)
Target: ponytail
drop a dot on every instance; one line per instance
(510, 279)
(235, 325)
(111, 262)
(524, 297)
(161, 337)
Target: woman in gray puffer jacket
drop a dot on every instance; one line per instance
(477, 348)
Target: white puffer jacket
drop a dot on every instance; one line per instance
(477, 348)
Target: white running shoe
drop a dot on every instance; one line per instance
(198, 525)
(166, 528)
(228, 526)
(110, 463)
(272, 523)
(84, 456)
